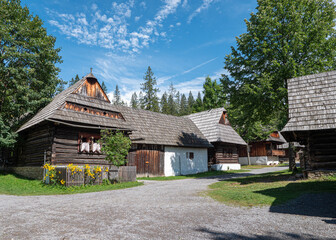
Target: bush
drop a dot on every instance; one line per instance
(115, 145)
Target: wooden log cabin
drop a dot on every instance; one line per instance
(68, 130)
(312, 118)
(264, 152)
(215, 126)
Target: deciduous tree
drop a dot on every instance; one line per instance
(284, 39)
(28, 72)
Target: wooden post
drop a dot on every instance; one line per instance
(291, 157)
(248, 154)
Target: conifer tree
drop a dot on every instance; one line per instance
(116, 96)
(198, 106)
(134, 101)
(141, 100)
(150, 98)
(183, 106)
(74, 80)
(191, 102)
(164, 103)
(103, 86)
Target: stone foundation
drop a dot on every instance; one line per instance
(28, 172)
(315, 174)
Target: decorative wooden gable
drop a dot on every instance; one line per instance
(224, 119)
(92, 88)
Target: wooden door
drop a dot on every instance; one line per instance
(149, 162)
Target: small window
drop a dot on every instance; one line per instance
(190, 155)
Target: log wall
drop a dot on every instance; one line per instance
(223, 153)
(65, 147)
(33, 143)
(322, 149)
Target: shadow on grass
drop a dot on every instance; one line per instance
(5, 173)
(216, 235)
(310, 198)
(248, 178)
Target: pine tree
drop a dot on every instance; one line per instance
(164, 103)
(141, 100)
(103, 86)
(134, 101)
(178, 102)
(198, 106)
(74, 80)
(191, 102)
(183, 106)
(116, 96)
(172, 109)
(150, 98)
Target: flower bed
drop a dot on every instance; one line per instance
(73, 175)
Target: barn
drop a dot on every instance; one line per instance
(263, 152)
(312, 118)
(67, 131)
(215, 126)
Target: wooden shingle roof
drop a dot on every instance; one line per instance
(312, 102)
(157, 128)
(208, 123)
(55, 111)
(147, 127)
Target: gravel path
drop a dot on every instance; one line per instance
(163, 210)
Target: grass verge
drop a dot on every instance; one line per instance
(263, 166)
(15, 185)
(267, 189)
(198, 175)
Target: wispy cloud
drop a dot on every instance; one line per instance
(205, 5)
(111, 30)
(199, 65)
(166, 78)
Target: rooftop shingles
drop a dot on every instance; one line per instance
(208, 123)
(312, 102)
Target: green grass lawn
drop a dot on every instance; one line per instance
(263, 166)
(198, 175)
(267, 189)
(16, 185)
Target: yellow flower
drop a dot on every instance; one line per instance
(62, 182)
(59, 172)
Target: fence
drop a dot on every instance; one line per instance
(67, 178)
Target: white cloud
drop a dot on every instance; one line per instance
(185, 3)
(137, 18)
(205, 5)
(111, 30)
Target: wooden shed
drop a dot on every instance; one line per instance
(215, 126)
(312, 118)
(263, 152)
(68, 129)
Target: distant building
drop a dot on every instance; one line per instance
(264, 152)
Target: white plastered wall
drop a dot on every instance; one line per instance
(176, 162)
(261, 160)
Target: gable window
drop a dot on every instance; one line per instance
(88, 143)
(190, 155)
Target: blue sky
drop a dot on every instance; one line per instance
(182, 40)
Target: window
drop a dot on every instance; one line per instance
(190, 155)
(88, 143)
